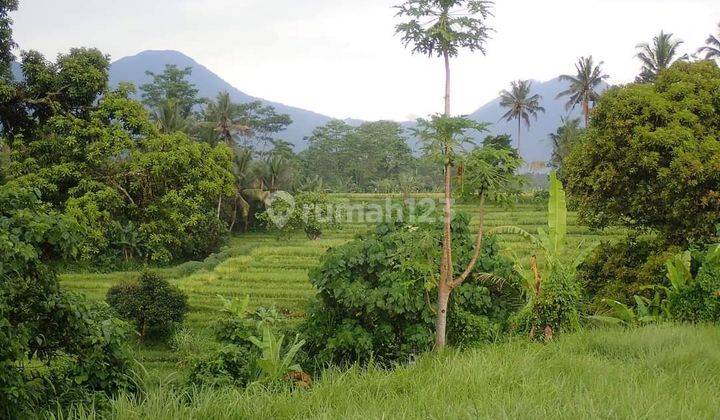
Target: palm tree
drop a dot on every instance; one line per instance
(224, 118)
(712, 49)
(169, 117)
(522, 105)
(658, 56)
(583, 86)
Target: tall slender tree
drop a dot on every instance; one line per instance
(442, 28)
(657, 57)
(6, 40)
(712, 47)
(521, 104)
(583, 85)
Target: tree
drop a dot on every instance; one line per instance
(95, 155)
(169, 118)
(522, 105)
(363, 156)
(583, 86)
(222, 118)
(6, 41)
(171, 85)
(712, 47)
(501, 141)
(563, 141)
(442, 28)
(658, 56)
(651, 157)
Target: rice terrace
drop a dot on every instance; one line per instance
(172, 247)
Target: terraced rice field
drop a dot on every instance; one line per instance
(273, 270)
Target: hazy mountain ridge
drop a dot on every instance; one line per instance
(535, 144)
(133, 68)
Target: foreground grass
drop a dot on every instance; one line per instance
(654, 372)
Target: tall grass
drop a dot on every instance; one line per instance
(654, 372)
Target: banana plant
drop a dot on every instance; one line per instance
(551, 241)
(276, 363)
(645, 312)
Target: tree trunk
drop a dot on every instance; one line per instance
(441, 321)
(586, 112)
(519, 131)
(446, 265)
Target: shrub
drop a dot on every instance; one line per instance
(56, 348)
(151, 304)
(307, 211)
(695, 296)
(232, 365)
(619, 271)
(556, 309)
(376, 295)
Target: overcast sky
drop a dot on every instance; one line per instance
(341, 58)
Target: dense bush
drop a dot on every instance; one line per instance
(376, 295)
(619, 271)
(310, 212)
(651, 156)
(251, 351)
(694, 292)
(137, 193)
(55, 347)
(555, 309)
(152, 304)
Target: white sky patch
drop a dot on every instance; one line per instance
(341, 57)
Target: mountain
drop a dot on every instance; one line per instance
(132, 69)
(536, 145)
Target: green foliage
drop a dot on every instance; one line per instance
(6, 42)
(376, 295)
(619, 271)
(646, 311)
(651, 157)
(154, 306)
(658, 56)
(233, 365)
(138, 194)
(171, 86)
(252, 351)
(695, 297)
(443, 27)
(583, 85)
(350, 158)
(491, 172)
(55, 347)
(567, 136)
(554, 295)
(310, 212)
(275, 362)
(444, 137)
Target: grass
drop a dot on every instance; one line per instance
(653, 372)
(274, 271)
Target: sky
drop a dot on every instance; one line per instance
(342, 58)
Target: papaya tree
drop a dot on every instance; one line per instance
(442, 28)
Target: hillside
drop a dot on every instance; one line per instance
(132, 69)
(535, 143)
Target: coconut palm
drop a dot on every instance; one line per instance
(712, 49)
(521, 105)
(658, 56)
(169, 117)
(223, 118)
(584, 85)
